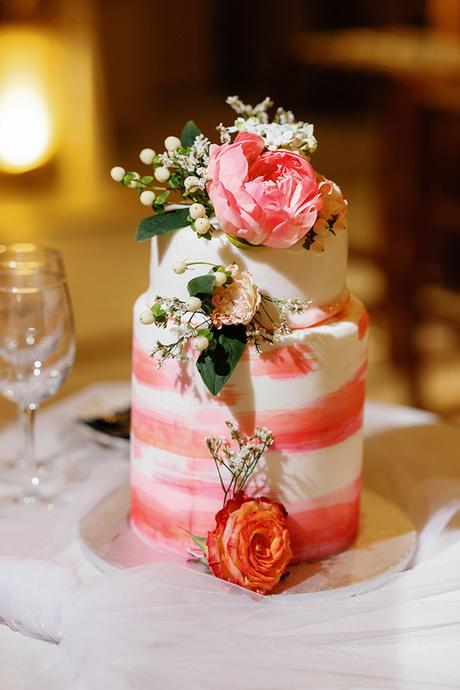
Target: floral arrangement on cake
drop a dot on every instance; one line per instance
(225, 312)
(250, 544)
(257, 187)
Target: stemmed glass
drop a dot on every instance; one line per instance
(37, 350)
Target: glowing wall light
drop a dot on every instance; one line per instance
(27, 127)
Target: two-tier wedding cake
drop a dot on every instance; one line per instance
(249, 354)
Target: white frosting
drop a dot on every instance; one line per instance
(293, 272)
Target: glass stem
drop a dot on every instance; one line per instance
(27, 446)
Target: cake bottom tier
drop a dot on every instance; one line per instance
(309, 391)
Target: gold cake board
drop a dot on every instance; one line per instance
(386, 544)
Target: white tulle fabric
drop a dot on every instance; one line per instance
(163, 626)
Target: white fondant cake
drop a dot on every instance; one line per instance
(308, 389)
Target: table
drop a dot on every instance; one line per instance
(402, 636)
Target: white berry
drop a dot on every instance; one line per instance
(117, 173)
(197, 211)
(317, 247)
(191, 183)
(220, 277)
(200, 343)
(133, 183)
(162, 174)
(147, 197)
(193, 304)
(321, 227)
(179, 267)
(172, 143)
(147, 156)
(146, 317)
(202, 225)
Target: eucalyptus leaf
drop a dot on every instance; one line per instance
(216, 366)
(189, 133)
(162, 224)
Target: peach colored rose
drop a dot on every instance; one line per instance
(235, 303)
(250, 544)
(334, 204)
(269, 198)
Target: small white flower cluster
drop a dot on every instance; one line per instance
(295, 136)
(283, 133)
(195, 162)
(258, 111)
(242, 461)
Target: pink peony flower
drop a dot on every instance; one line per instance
(269, 198)
(235, 303)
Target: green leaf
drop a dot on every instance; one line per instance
(175, 181)
(201, 285)
(146, 179)
(129, 177)
(242, 244)
(206, 332)
(159, 313)
(200, 542)
(161, 198)
(216, 366)
(189, 134)
(162, 224)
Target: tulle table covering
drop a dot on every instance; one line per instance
(161, 626)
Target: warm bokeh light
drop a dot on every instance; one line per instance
(26, 119)
(25, 127)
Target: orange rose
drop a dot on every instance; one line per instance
(250, 544)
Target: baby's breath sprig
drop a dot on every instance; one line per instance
(270, 327)
(258, 111)
(240, 462)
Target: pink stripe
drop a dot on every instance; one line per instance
(321, 527)
(290, 361)
(326, 421)
(277, 363)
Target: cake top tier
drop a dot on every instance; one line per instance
(290, 273)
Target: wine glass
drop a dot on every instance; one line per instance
(37, 350)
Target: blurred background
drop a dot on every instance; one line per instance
(85, 85)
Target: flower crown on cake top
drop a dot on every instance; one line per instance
(257, 185)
